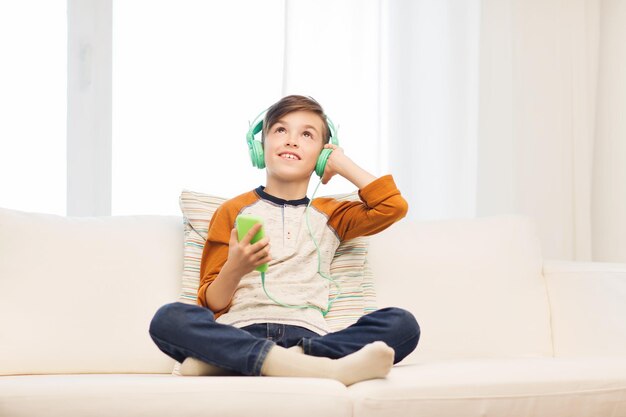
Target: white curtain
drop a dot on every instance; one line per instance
(333, 53)
(552, 135)
(609, 159)
(537, 112)
(481, 107)
(432, 104)
(491, 112)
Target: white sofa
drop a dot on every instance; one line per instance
(504, 333)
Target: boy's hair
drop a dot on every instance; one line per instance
(290, 104)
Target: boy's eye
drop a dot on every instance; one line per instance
(280, 130)
(307, 134)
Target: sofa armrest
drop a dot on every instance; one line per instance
(588, 307)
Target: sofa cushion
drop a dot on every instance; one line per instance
(588, 302)
(530, 387)
(168, 396)
(474, 285)
(77, 294)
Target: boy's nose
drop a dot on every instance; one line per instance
(292, 141)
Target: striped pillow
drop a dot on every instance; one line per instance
(349, 268)
(197, 211)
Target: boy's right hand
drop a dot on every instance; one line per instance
(245, 257)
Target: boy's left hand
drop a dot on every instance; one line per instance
(333, 162)
(339, 163)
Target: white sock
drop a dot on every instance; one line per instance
(195, 367)
(372, 361)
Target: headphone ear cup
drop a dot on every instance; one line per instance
(320, 166)
(256, 154)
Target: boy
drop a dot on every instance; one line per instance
(237, 327)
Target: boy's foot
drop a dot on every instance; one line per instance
(372, 361)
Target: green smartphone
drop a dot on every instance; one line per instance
(243, 223)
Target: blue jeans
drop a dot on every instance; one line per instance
(184, 330)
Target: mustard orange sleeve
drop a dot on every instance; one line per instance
(215, 252)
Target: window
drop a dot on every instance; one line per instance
(33, 82)
(185, 76)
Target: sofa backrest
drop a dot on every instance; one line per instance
(588, 306)
(475, 285)
(77, 294)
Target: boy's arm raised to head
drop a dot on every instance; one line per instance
(381, 205)
(339, 163)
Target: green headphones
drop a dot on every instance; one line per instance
(256, 148)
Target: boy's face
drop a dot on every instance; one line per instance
(293, 144)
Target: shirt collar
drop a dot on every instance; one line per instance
(260, 190)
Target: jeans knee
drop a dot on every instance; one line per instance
(168, 319)
(405, 322)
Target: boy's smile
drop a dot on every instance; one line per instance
(289, 155)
